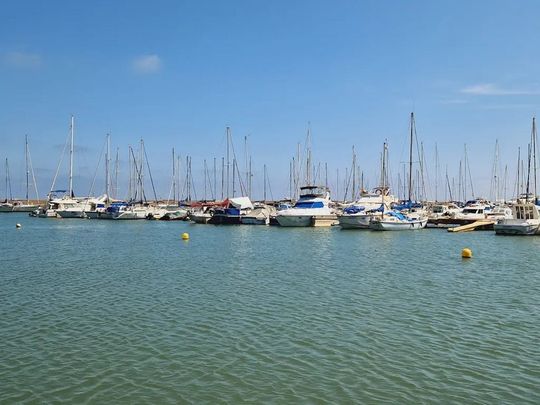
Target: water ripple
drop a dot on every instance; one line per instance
(94, 312)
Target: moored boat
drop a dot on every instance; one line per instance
(311, 209)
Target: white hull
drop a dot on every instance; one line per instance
(294, 220)
(174, 215)
(200, 218)
(517, 227)
(247, 220)
(25, 208)
(70, 214)
(389, 225)
(6, 208)
(354, 221)
(131, 215)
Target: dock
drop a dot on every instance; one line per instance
(484, 224)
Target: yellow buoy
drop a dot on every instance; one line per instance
(17, 225)
(185, 236)
(466, 253)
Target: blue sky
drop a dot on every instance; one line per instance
(177, 73)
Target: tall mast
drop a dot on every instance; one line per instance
(448, 184)
(228, 160)
(290, 178)
(326, 175)
(527, 189)
(264, 175)
(107, 168)
(174, 175)
(308, 159)
(233, 177)
(385, 148)
(72, 129)
(116, 167)
(26, 164)
(411, 156)
(249, 178)
(7, 175)
(141, 178)
(353, 191)
(518, 173)
(222, 176)
(205, 178)
(436, 172)
(215, 186)
(533, 141)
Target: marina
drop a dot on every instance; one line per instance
(241, 202)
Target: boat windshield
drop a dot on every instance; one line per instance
(306, 204)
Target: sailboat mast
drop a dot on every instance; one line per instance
(518, 188)
(264, 175)
(215, 179)
(26, 165)
(385, 148)
(6, 167)
(527, 188)
(436, 172)
(411, 156)
(353, 191)
(222, 176)
(290, 177)
(308, 159)
(326, 175)
(116, 167)
(533, 141)
(205, 178)
(174, 175)
(228, 160)
(107, 168)
(72, 129)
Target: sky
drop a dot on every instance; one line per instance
(177, 73)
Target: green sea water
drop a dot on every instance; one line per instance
(127, 312)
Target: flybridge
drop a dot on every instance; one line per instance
(313, 191)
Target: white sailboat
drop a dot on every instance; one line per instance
(7, 205)
(359, 214)
(138, 208)
(525, 218)
(395, 220)
(69, 206)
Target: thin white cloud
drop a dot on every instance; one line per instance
(146, 64)
(23, 60)
(490, 89)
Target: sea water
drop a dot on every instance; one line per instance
(126, 312)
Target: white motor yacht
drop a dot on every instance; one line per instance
(525, 220)
(311, 209)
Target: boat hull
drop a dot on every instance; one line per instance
(354, 221)
(516, 227)
(247, 220)
(6, 208)
(383, 225)
(70, 214)
(200, 219)
(25, 208)
(218, 219)
(294, 220)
